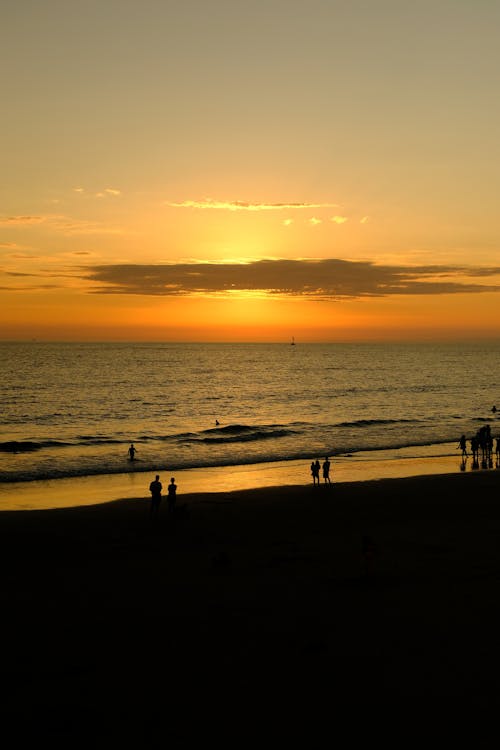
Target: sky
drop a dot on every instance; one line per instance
(217, 170)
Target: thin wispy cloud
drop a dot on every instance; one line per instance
(339, 219)
(23, 256)
(23, 220)
(60, 223)
(329, 279)
(244, 206)
(103, 193)
(12, 246)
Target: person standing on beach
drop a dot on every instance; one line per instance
(172, 496)
(326, 471)
(155, 488)
(315, 467)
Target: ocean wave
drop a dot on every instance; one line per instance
(247, 438)
(371, 422)
(238, 433)
(28, 446)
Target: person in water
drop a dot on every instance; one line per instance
(131, 452)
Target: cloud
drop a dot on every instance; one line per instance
(243, 206)
(328, 279)
(314, 221)
(34, 288)
(12, 246)
(60, 223)
(339, 219)
(287, 222)
(13, 221)
(23, 256)
(101, 194)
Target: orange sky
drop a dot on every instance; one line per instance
(162, 181)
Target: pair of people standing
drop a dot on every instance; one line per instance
(156, 488)
(316, 468)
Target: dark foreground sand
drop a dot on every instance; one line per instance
(256, 609)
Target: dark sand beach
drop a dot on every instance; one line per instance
(252, 605)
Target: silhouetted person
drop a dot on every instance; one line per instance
(217, 423)
(131, 452)
(155, 488)
(172, 495)
(462, 444)
(326, 471)
(315, 467)
(474, 447)
(494, 409)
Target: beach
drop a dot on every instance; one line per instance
(256, 604)
(101, 488)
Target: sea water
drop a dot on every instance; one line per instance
(73, 409)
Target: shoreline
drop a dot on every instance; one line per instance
(364, 466)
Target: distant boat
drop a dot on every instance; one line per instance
(292, 343)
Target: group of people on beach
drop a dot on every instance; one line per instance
(155, 489)
(481, 444)
(316, 469)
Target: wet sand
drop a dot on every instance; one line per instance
(251, 608)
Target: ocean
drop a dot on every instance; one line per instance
(73, 409)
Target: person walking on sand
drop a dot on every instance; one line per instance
(131, 452)
(155, 488)
(326, 471)
(462, 444)
(172, 496)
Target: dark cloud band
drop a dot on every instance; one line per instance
(316, 279)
